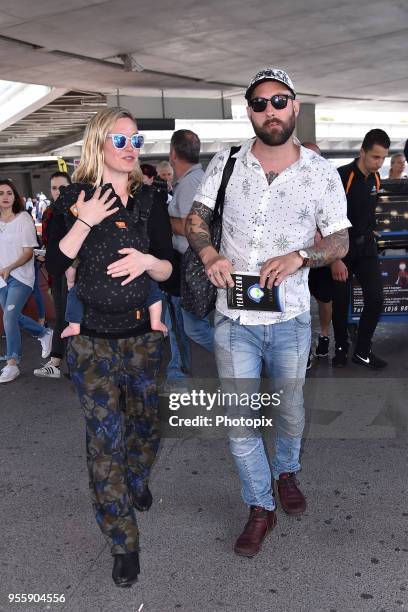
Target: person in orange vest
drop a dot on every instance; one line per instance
(361, 182)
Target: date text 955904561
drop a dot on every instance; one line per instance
(36, 598)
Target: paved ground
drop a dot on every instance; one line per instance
(348, 552)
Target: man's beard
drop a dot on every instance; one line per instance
(278, 136)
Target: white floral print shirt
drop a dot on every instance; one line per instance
(261, 221)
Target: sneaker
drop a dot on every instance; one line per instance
(46, 343)
(322, 348)
(369, 361)
(291, 497)
(48, 370)
(260, 523)
(9, 373)
(340, 358)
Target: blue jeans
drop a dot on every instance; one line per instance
(188, 326)
(155, 294)
(240, 352)
(74, 312)
(199, 330)
(12, 300)
(39, 300)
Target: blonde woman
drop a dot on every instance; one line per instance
(397, 166)
(120, 231)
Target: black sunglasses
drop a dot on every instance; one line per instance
(279, 101)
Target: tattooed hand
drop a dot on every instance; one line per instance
(218, 269)
(276, 269)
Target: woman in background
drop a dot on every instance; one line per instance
(149, 173)
(52, 369)
(397, 166)
(17, 242)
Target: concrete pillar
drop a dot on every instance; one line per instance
(306, 123)
(174, 108)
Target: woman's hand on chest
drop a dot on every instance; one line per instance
(133, 264)
(95, 210)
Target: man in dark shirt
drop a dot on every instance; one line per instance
(361, 182)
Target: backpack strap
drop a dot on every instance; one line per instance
(226, 175)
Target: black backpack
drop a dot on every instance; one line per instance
(198, 294)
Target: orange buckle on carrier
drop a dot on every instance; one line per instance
(138, 315)
(121, 224)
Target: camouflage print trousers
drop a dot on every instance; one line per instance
(116, 383)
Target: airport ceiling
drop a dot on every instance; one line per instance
(347, 53)
(56, 124)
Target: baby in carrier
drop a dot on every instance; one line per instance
(74, 312)
(113, 305)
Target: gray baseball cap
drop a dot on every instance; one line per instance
(270, 74)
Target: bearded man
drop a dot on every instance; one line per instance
(278, 195)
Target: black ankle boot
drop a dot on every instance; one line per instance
(144, 501)
(125, 569)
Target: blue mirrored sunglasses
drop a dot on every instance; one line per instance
(120, 141)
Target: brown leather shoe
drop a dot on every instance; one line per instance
(291, 497)
(259, 524)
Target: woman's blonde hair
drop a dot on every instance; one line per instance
(395, 157)
(392, 164)
(90, 168)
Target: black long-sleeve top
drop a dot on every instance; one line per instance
(160, 246)
(361, 199)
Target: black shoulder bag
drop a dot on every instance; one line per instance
(198, 294)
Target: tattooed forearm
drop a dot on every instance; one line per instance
(197, 226)
(202, 211)
(328, 249)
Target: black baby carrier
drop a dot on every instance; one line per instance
(109, 306)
